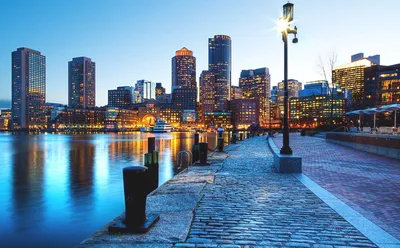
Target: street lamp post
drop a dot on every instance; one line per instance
(284, 24)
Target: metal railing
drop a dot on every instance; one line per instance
(180, 159)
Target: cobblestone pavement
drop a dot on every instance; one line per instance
(250, 205)
(367, 182)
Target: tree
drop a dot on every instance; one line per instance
(325, 66)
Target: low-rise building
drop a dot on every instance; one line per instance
(315, 110)
(218, 119)
(121, 119)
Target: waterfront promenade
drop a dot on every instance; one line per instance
(367, 182)
(239, 201)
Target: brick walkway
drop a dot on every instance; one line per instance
(367, 182)
(249, 204)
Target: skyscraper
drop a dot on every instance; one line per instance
(81, 83)
(184, 91)
(256, 85)
(183, 70)
(28, 89)
(207, 91)
(160, 90)
(220, 62)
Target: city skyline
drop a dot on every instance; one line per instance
(123, 59)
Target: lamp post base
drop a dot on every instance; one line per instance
(286, 150)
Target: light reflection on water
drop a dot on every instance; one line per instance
(56, 190)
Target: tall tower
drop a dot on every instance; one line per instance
(220, 62)
(183, 70)
(81, 83)
(28, 89)
(184, 91)
(207, 91)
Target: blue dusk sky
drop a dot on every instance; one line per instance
(136, 39)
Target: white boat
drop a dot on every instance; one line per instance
(162, 127)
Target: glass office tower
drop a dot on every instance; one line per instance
(220, 63)
(28, 89)
(81, 83)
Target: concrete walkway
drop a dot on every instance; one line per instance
(367, 182)
(240, 201)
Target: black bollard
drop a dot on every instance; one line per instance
(234, 138)
(241, 136)
(203, 153)
(220, 141)
(135, 192)
(151, 162)
(195, 148)
(151, 144)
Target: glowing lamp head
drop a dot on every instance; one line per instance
(288, 10)
(282, 24)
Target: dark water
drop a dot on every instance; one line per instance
(56, 190)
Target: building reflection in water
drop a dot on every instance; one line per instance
(81, 158)
(27, 184)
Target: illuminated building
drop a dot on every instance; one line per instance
(255, 84)
(207, 91)
(150, 110)
(351, 77)
(220, 63)
(236, 92)
(81, 83)
(121, 119)
(183, 70)
(319, 87)
(382, 85)
(160, 91)
(120, 98)
(315, 110)
(84, 118)
(244, 112)
(184, 90)
(28, 89)
(376, 59)
(5, 119)
(218, 119)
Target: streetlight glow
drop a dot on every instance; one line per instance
(282, 25)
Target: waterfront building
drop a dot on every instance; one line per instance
(218, 119)
(255, 84)
(28, 89)
(244, 112)
(121, 119)
(5, 119)
(81, 118)
(381, 85)
(351, 77)
(120, 98)
(207, 91)
(150, 110)
(220, 63)
(315, 110)
(319, 87)
(236, 92)
(81, 83)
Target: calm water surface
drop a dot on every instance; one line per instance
(57, 189)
